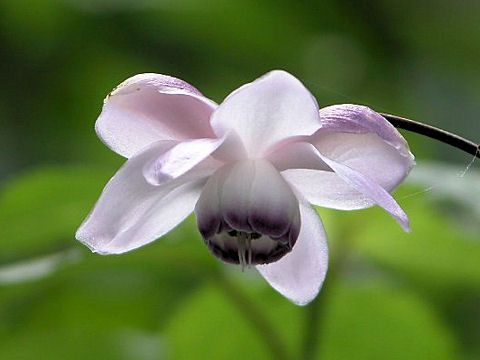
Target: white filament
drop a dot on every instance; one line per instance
(244, 249)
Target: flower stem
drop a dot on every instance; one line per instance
(434, 133)
(255, 316)
(317, 309)
(313, 313)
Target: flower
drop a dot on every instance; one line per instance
(249, 168)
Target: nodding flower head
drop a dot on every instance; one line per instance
(248, 214)
(249, 168)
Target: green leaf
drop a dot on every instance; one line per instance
(379, 322)
(105, 307)
(209, 326)
(40, 211)
(358, 322)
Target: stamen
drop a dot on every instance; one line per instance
(242, 246)
(249, 249)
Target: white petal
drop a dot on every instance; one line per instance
(299, 275)
(266, 111)
(150, 107)
(367, 154)
(296, 154)
(326, 189)
(161, 216)
(182, 158)
(314, 179)
(343, 189)
(131, 212)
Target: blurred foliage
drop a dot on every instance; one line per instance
(395, 295)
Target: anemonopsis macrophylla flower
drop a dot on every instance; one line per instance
(249, 168)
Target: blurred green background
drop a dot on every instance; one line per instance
(388, 295)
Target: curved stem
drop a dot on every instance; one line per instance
(434, 133)
(311, 330)
(255, 316)
(316, 310)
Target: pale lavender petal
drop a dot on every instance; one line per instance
(367, 154)
(365, 185)
(132, 212)
(182, 158)
(363, 140)
(150, 107)
(296, 154)
(342, 187)
(327, 189)
(355, 137)
(299, 275)
(266, 111)
(162, 216)
(303, 168)
(359, 119)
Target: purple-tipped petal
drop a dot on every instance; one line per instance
(266, 111)
(363, 140)
(356, 139)
(299, 275)
(150, 107)
(359, 119)
(132, 212)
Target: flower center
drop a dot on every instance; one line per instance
(248, 248)
(247, 214)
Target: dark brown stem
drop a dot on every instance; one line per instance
(434, 133)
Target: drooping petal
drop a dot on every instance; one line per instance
(363, 140)
(299, 275)
(342, 188)
(159, 218)
(352, 136)
(131, 212)
(301, 165)
(150, 107)
(266, 111)
(327, 189)
(365, 185)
